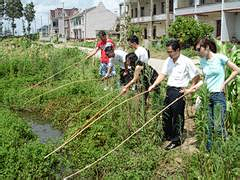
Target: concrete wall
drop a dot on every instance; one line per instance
(237, 26)
(99, 19)
(211, 20)
(228, 26)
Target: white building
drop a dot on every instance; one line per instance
(155, 15)
(59, 22)
(86, 24)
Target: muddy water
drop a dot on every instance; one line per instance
(41, 127)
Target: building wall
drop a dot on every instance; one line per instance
(211, 19)
(99, 18)
(237, 26)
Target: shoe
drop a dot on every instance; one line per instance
(172, 145)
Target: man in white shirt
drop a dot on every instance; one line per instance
(143, 57)
(180, 70)
(118, 57)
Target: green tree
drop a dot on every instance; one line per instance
(29, 14)
(2, 8)
(188, 30)
(14, 10)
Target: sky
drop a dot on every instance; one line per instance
(43, 8)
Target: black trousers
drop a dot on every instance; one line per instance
(173, 117)
(127, 78)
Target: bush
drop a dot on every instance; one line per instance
(188, 30)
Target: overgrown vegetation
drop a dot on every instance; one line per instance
(24, 63)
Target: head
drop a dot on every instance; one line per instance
(173, 48)
(205, 46)
(109, 50)
(133, 41)
(131, 59)
(102, 35)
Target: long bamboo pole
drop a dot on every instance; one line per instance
(124, 141)
(138, 130)
(90, 122)
(49, 77)
(59, 87)
(77, 113)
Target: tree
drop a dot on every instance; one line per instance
(188, 30)
(2, 8)
(14, 10)
(29, 14)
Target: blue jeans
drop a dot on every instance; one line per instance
(103, 68)
(216, 113)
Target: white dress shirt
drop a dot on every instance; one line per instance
(179, 73)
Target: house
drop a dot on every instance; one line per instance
(43, 30)
(155, 15)
(86, 24)
(60, 22)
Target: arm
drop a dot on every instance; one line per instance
(125, 69)
(136, 77)
(195, 85)
(159, 79)
(235, 72)
(92, 53)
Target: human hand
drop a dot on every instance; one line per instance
(124, 90)
(151, 88)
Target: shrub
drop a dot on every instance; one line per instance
(188, 30)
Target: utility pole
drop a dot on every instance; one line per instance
(63, 21)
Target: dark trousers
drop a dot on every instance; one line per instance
(124, 80)
(173, 117)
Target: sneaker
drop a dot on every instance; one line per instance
(172, 145)
(105, 88)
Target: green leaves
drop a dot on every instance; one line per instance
(188, 30)
(29, 14)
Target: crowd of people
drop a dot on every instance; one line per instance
(179, 70)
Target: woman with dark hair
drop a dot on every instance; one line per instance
(213, 65)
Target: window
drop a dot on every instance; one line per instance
(154, 32)
(191, 3)
(218, 31)
(145, 33)
(170, 5)
(136, 12)
(132, 13)
(142, 11)
(55, 23)
(163, 7)
(154, 9)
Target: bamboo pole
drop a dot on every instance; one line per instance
(90, 122)
(195, 87)
(70, 118)
(114, 149)
(49, 77)
(83, 127)
(59, 87)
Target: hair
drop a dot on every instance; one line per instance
(108, 49)
(174, 43)
(132, 57)
(133, 39)
(101, 33)
(206, 42)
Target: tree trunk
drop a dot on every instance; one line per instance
(29, 28)
(13, 26)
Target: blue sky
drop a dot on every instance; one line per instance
(43, 7)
